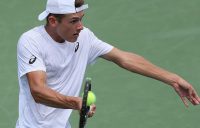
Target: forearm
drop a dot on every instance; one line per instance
(49, 97)
(138, 64)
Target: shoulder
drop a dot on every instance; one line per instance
(33, 33)
(32, 36)
(86, 31)
(86, 34)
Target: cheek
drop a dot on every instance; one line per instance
(64, 31)
(68, 29)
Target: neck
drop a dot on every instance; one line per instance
(52, 32)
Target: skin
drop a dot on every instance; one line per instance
(69, 29)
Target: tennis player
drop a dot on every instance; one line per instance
(52, 61)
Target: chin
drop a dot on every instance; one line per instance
(72, 40)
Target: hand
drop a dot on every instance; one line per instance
(92, 110)
(186, 91)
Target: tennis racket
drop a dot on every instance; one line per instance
(85, 109)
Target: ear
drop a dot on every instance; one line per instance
(52, 21)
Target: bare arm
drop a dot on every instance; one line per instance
(45, 95)
(138, 64)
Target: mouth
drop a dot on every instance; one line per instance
(76, 34)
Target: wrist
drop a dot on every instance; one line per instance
(79, 103)
(73, 103)
(174, 80)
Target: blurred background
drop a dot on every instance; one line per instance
(166, 32)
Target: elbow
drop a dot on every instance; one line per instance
(36, 99)
(36, 94)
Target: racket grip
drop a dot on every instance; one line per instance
(88, 109)
(88, 80)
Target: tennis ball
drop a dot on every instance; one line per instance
(91, 98)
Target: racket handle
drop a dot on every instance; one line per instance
(88, 80)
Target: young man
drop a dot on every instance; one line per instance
(52, 60)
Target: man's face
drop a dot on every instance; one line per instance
(70, 26)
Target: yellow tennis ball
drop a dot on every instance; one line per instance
(91, 99)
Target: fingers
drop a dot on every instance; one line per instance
(193, 97)
(187, 92)
(91, 113)
(195, 101)
(184, 101)
(92, 110)
(179, 92)
(192, 100)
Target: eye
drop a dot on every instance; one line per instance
(74, 21)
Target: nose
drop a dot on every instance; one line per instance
(80, 25)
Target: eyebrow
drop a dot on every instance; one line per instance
(77, 17)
